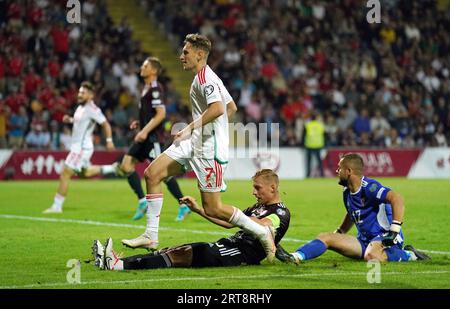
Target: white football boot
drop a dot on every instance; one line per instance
(111, 257)
(53, 210)
(98, 252)
(142, 241)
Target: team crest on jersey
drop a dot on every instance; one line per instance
(281, 212)
(155, 94)
(373, 187)
(209, 89)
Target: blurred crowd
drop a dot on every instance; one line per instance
(373, 85)
(382, 85)
(43, 60)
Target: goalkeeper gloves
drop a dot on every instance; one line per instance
(390, 238)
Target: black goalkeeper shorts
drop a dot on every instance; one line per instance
(221, 253)
(146, 150)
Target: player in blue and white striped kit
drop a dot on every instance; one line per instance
(377, 212)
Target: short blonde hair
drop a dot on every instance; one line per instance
(268, 175)
(156, 64)
(198, 41)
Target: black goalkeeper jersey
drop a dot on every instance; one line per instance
(152, 96)
(251, 246)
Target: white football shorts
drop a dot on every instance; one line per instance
(209, 172)
(79, 160)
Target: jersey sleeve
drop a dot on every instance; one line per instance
(280, 221)
(157, 97)
(211, 92)
(226, 95)
(377, 191)
(97, 115)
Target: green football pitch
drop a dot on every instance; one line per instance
(35, 248)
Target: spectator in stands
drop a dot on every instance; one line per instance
(362, 122)
(342, 60)
(18, 124)
(38, 137)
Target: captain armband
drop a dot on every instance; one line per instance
(274, 219)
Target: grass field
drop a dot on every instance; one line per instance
(34, 248)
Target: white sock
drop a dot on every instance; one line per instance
(142, 200)
(412, 255)
(118, 265)
(58, 201)
(154, 205)
(248, 225)
(108, 169)
(298, 255)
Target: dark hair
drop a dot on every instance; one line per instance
(88, 86)
(198, 41)
(355, 161)
(156, 63)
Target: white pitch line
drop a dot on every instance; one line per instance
(123, 225)
(272, 276)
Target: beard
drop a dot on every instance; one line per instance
(81, 100)
(343, 182)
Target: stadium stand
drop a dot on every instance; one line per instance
(374, 85)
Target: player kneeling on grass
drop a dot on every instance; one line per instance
(239, 249)
(377, 212)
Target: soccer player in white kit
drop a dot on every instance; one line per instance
(77, 162)
(203, 147)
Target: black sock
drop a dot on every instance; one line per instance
(173, 187)
(147, 261)
(135, 183)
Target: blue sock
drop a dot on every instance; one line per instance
(395, 254)
(312, 249)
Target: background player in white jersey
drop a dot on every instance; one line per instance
(77, 162)
(203, 147)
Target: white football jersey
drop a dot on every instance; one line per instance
(211, 141)
(84, 121)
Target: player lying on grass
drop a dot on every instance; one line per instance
(240, 249)
(202, 146)
(377, 212)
